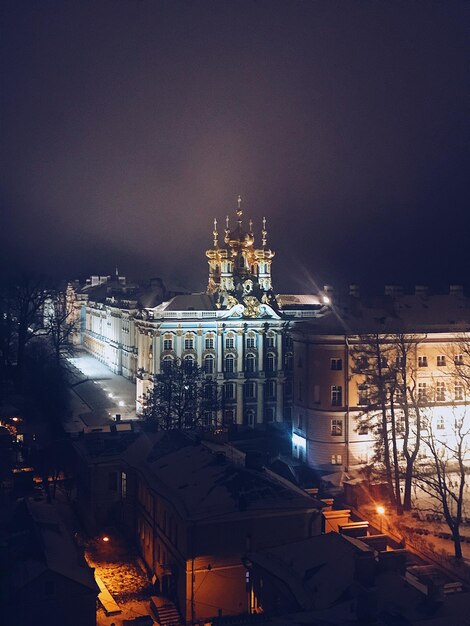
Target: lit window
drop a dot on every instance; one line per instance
(209, 364)
(422, 392)
(336, 364)
(209, 342)
(336, 459)
(230, 363)
(363, 429)
(336, 395)
(363, 395)
(230, 341)
(336, 428)
(458, 391)
(441, 360)
(422, 361)
(189, 342)
(250, 341)
(440, 392)
(250, 363)
(440, 423)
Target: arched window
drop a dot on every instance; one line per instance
(209, 364)
(250, 363)
(270, 362)
(250, 416)
(230, 363)
(188, 362)
(189, 342)
(167, 363)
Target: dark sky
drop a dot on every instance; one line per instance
(127, 125)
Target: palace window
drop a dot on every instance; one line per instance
(288, 360)
(251, 340)
(209, 342)
(441, 360)
(230, 341)
(230, 363)
(422, 392)
(270, 341)
(363, 395)
(336, 364)
(336, 459)
(250, 363)
(250, 390)
(167, 363)
(189, 342)
(422, 361)
(209, 364)
(188, 362)
(336, 395)
(440, 391)
(229, 391)
(250, 416)
(336, 428)
(270, 362)
(168, 342)
(270, 389)
(229, 416)
(458, 391)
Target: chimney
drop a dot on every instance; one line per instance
(354, 291)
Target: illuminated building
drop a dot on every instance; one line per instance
(330, 397)
(238, 330)
(194, 508)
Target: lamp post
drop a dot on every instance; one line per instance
(381, 511)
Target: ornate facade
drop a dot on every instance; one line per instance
(238, 331)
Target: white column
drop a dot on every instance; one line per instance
(260, 396)
(179, 343)
(280, 401)
(239, 384)
(199, 346)
(157, 349)
(219, 339)
(260, 345)
(240, 338)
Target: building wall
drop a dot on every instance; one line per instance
(328, 425)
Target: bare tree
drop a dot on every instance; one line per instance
(182, 397)
(59, 322)
(443, 475)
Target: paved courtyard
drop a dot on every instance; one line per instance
(98, 393)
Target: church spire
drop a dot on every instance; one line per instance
(215, 233)
(264, 233)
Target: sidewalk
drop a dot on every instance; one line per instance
(97, 393)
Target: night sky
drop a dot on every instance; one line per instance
(127, 125)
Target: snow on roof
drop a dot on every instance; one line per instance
(190, 302)
(202, 485)
(294, 300)
(310, 567)
(45, 546)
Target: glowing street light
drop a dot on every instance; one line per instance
(121, 403)
(110, 395)
(105, 538)
(381, 511)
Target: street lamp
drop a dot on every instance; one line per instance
(381, 511)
